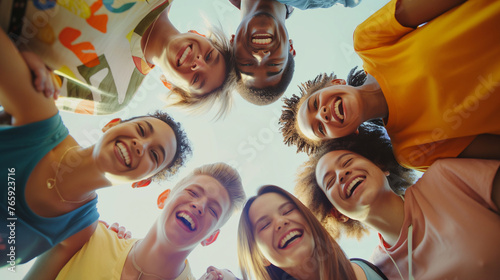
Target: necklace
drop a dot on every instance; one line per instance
(138, 268)
(149, 35)
(52, 182)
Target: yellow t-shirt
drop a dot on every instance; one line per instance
(103, 257)
(441, 81)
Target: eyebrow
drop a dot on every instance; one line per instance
(214, 62)
(307, 112)
(152, 131)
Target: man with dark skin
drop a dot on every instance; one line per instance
(264, 53)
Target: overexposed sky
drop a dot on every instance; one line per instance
(248, 138)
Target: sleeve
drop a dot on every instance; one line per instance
(379, 29)
(315, 4)
(473, 176)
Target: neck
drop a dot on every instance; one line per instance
(373, 100)
(275, 8)
(303, 272)
(159, 32)
(387, 216)
(156, 256)
(79, 175)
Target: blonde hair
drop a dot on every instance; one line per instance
(228, 177)
(328, 257)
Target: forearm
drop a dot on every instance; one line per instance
(412, 13)
(484, 146)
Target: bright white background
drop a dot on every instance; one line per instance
(248, 138)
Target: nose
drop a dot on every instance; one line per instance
(198, 63)
(344, 175)
(281, 223)
(138, 146)
(198, 206)
(324, 113)
(260, 54)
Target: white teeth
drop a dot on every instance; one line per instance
(262, 41)
(184, 55)
(288, 237)
(353, 183)
(337, 109)
(187, 218)
(123, 152)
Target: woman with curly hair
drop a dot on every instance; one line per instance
(435, 101)
(52, 180)
(104, 50)
(355, 184)
(279, 238)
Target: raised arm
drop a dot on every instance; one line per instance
(17, 95)
(484, 146)
(48, 265)
(412, 13)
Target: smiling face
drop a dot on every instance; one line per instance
(281, 231)
(135, 149)
(351, 182)
(194, 211)
(261, 48)
(192, 63)
(331, 112)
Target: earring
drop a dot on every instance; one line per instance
(166, 83)
(196, 32)
(141, 183)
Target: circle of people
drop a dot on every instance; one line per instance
(425, 99)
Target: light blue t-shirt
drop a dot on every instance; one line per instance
(371, 271)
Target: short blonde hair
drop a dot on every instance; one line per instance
(228, 177)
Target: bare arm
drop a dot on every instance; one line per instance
(484, 146)
(412, 13)
(48, 265)
(17, 94)
(495, 193)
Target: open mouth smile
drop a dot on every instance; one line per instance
(337, 110)
(262, 39)
(289, 238)
(123, 153)
(187, 220)
(351, 186)
(183, 54)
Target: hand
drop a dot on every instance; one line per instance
(121, 231)
(44, 79)
(214, 273)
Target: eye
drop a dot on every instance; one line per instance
(155, 156)
(274, 64)
(321, 129)
(192, 193)
(213, 212)
(196, 79)
(288, 211)
(141, 130)
(209, 56)
(330, 183)
(245, 64)
(264, 227)
(315, 103)
(347, 162)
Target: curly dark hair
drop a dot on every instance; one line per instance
(268, 95)
(183, 150)
(288, 119)
(374, 144)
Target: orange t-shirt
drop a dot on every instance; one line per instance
(455, 224)
(441, 81)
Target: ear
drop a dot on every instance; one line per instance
(292, 50)
(141, 183)
(196, 32)
(339, 216)
(162, 197)
(357, 131)
(231, 40)
(266, 262)
(339, 82)
(387, 173)
(166, 83)
(111, 124)
(211, 239)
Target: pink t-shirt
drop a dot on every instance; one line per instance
(456, 226)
